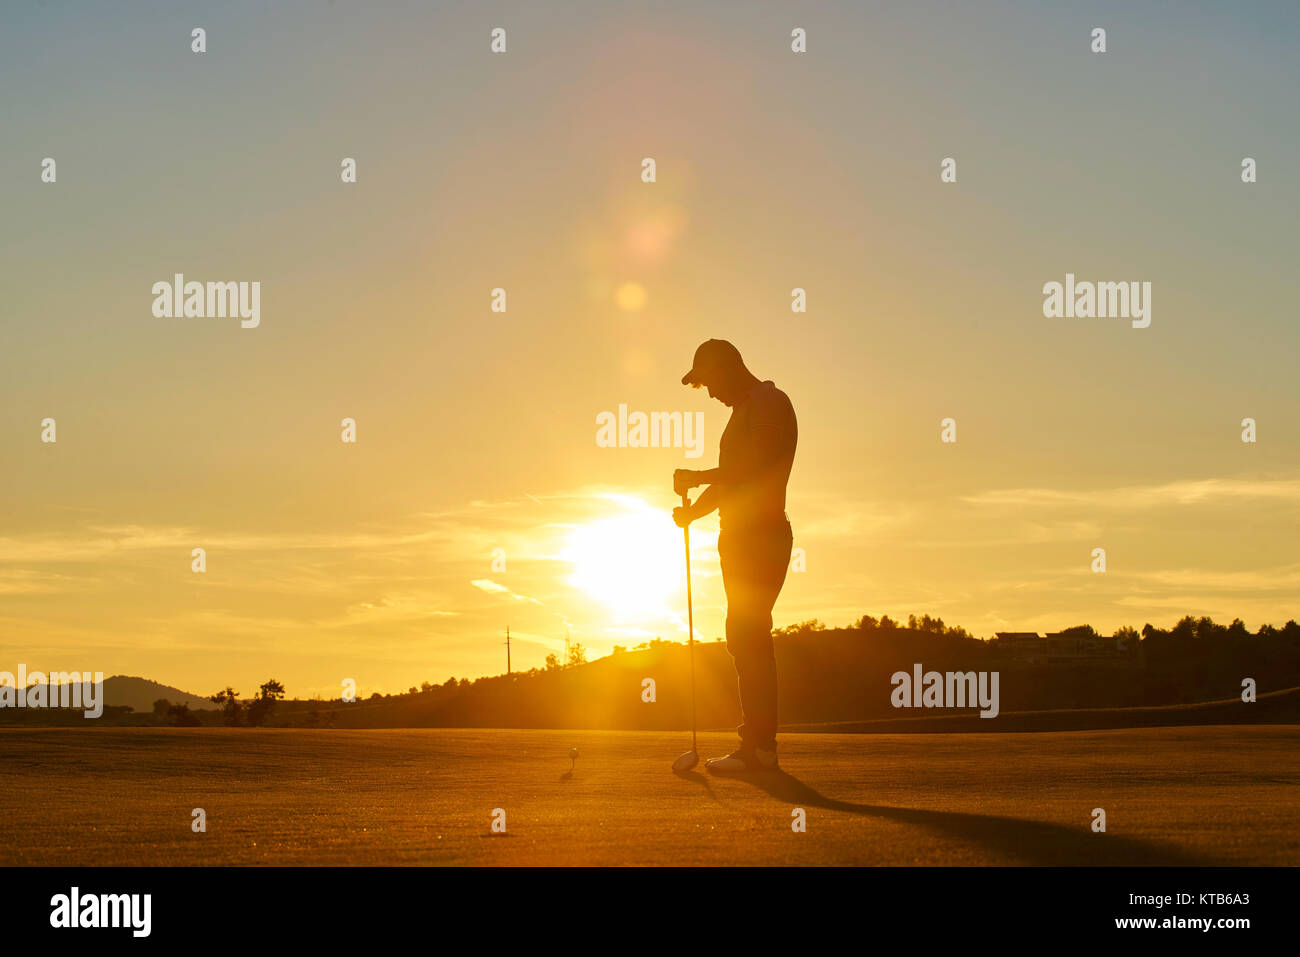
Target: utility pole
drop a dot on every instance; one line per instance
(566, 646)
(507, 651)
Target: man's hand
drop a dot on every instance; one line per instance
(684, 480)
(683, 515)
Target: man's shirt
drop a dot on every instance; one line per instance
(757, 446)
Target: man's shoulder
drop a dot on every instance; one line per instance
(768, 393)
(769, 402)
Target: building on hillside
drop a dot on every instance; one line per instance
(1061, 648)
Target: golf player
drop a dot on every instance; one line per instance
(748, 490)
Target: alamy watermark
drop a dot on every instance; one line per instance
(76, 909)
(951, 689)
(214, 300)
(60, 689)
(654, 430)
(1098, 300)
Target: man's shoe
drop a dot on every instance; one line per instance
(743, 761)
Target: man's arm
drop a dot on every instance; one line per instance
(709, 500)
(767, 452)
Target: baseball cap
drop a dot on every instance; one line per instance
(712, 354)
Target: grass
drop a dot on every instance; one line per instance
(1174, 795)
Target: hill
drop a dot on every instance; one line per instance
(830, 676)
(837, 678)
(139, 694)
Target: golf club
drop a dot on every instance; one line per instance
(691, 757)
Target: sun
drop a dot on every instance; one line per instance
(632, 563)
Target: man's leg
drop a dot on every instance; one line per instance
(756, 676)
(754, 567)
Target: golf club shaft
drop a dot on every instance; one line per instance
(690, 617)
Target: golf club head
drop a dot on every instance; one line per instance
(686, 762)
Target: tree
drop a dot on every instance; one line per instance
(229, 701)
(801, 628)
(1127, 637)
(260, 708)
(181, 717)
(1185, 630)
(925, 623)
(1079, 631)
(161, 706)
(552, 662)
(577, 655)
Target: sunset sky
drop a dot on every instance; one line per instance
(476, 430)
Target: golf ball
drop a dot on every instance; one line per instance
(573, 753)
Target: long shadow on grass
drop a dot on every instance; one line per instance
(1033, 842)
(698, 778)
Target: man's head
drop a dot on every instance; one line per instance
(719, 368)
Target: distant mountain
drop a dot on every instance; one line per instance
(140, 694)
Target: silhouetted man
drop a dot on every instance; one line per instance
(748, 490)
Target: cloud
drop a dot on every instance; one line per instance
(493, 588)
(1282, 578)
(394, 608)
(24, 581)
(1186, 492)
